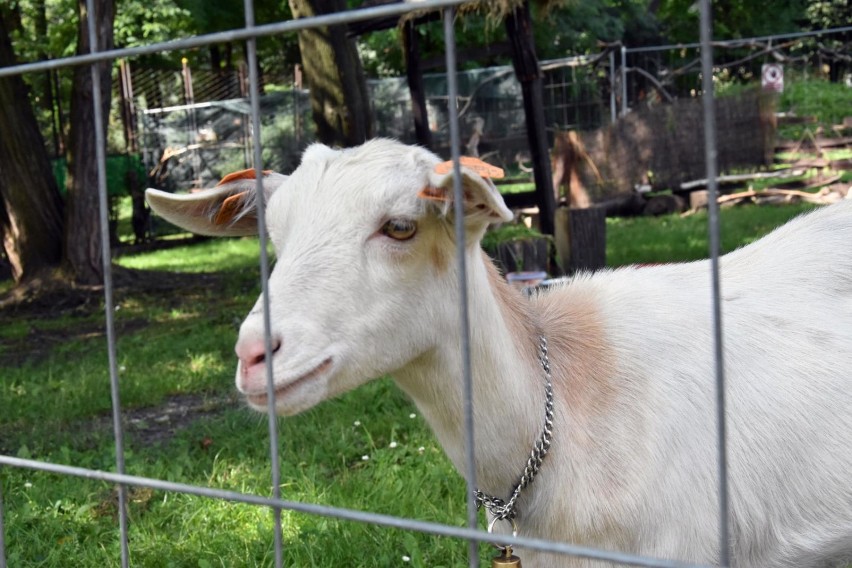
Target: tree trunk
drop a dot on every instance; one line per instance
(30, 204)
(419, 110)
(528, 72)
(83, 247)
(339, 98)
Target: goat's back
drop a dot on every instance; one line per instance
(787, 323)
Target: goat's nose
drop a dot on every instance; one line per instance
(252, 353)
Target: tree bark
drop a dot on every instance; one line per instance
(30, 204)
(414, 73)
(83, 247)
(528, 72)
(339, 98)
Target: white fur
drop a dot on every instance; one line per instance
(632, 468)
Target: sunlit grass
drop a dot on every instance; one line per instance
(673, 238)
(208, 256)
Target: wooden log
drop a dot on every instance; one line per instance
(736, 178)
(790, 194)
(698, 199)
(664, 205)
(580, 238)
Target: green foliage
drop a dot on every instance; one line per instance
(152, 21)
(508, 233)
(731, 19)
(574, 28)
(117, 168)
(829, 102)
(824, 14)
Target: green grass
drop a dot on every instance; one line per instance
(56, 521)
(54, 406)
(673, 238)
(827, 101)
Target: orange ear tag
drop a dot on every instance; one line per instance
(229, 208)
(483, 169)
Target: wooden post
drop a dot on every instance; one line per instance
(414, 74)
(525, 62)
(580, 238)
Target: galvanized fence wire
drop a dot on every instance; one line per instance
(254, 97)
(109, 303)
(2, 527)
(715, 247)
(471, 533)
(464, 313)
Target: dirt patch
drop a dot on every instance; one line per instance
(42, 300)
(39, 343)
(52, 297)
(159, 424)
(142, 427)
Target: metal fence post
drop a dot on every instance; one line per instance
(464, 314)
(714, 238)
(2, 527)
(612, 84)
(623, 80)
(254, 98)
(106, 260)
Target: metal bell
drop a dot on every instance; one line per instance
(506, 559)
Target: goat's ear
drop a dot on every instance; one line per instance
(482, 201)
(229, 209)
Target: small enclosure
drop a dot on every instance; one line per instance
(269, 131)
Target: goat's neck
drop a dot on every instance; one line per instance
(508, 381)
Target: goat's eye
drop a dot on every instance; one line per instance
(399, 229)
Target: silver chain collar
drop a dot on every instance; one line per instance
(505, 510)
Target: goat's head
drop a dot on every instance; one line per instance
(365, 265)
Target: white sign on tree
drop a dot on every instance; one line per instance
(772, 77)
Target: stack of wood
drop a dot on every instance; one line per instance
(805, 154)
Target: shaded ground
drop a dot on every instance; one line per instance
(46, 299)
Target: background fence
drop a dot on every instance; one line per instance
(253, 111)
(193, 125)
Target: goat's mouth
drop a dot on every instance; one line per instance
(281, 391)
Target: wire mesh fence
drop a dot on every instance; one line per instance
(259, 146)
(190, 145)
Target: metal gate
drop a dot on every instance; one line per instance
(249, 33)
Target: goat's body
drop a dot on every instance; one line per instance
(365, 285)
(636, 343)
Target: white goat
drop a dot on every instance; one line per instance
(366, 284)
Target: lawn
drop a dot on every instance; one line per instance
(368, 450)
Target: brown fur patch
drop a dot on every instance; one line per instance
(517, 310)
(475, 164)
(439, 257)
(582, 358)
(229, 208)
